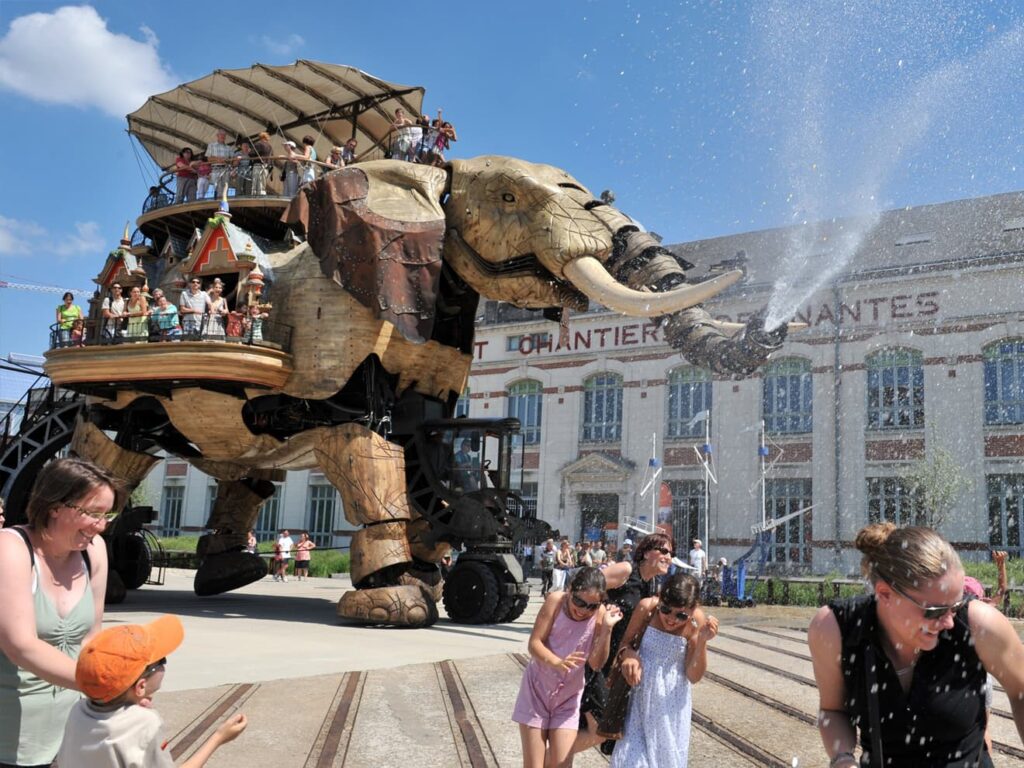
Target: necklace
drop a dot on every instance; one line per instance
(909, 668)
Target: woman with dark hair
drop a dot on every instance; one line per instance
(186, 177)
(572, 629)
(54, 572)
(632, 582)
(672, 655)
(906, 665)
(306, 159)
(67, 313)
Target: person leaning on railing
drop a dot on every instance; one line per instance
(260, 162)
(219, 154)
(166, 315)
(184, 167)
(67, 314)
(241, 178)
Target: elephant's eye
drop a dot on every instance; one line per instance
(508, 197)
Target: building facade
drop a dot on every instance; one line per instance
(913, 359)
(912, 363)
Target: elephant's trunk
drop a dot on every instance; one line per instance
(697, 336)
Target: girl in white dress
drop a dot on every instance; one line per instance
(672, 656)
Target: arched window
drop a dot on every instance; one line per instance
(602, 408)
(1004, 382)
(895, 389)
(787, 396)
(689, 396)
(524, 403)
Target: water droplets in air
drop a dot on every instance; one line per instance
(856, 97)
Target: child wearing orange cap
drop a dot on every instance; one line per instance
(120, 670)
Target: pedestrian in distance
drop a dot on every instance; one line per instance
(906, 666)
(283, 554)
(303, 554)
(572, 629)
(547, 566)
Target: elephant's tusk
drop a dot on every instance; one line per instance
(590, 277)
(729, 328)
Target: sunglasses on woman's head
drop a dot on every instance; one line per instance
(664, 550)
(583, 605)
(667, 609)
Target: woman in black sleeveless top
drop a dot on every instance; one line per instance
(906, 666)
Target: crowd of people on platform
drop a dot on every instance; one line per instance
(247, 166)
(200, 314)
(421, 140)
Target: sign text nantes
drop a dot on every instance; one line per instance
(876, 310)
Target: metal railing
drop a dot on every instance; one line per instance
(233, 328)
(37, 401)
(415, 143)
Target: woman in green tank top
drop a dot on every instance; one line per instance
(54, 570)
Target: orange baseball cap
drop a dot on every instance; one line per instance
(113, 660)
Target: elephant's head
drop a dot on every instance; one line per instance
(533, 236)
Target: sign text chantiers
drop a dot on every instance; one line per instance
(878, 310)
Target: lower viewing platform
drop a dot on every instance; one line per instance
(116, 365)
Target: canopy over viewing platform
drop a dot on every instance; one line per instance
(330, 102)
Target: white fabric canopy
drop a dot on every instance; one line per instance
(330, 102)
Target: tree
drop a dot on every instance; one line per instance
(936, 482)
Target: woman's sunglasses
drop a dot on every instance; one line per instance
(667, 609)
(583, 605)
(932, 612)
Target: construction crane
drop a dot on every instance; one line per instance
(44, 288)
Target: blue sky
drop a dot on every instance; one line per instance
(705, 118)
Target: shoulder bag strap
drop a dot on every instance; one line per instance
(871, 668)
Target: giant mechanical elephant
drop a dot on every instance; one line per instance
(381, 290)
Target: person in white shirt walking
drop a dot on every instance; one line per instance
(699, 559)
(285, 544)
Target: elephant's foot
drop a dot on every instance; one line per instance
(427, 579)
(408, 605)
(226, 571)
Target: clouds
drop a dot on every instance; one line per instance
(24, 238)
(70, 57)
(283, 46)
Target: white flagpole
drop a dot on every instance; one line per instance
(707, 489)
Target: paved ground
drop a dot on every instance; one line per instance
(320, 694)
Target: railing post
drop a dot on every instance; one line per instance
(770, 582)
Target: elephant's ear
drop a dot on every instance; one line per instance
(378, 230)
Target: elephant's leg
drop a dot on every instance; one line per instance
(223, 562)
(369, 473)
(130, 468)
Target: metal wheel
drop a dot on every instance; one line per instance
(471, 593)
(519, 603)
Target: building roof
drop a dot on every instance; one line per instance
(900, 239)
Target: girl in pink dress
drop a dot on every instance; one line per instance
(572, 628)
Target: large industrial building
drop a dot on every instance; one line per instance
(913, 361)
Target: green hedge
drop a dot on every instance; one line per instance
(323, 562)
